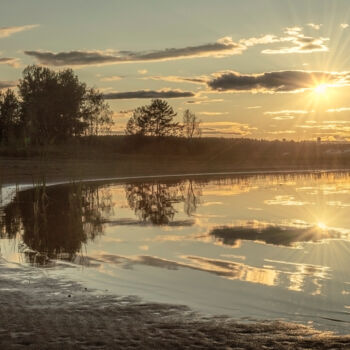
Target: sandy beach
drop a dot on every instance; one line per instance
(38, 312)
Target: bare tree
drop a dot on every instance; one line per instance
(191, 125)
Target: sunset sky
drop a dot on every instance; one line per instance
(268, 69)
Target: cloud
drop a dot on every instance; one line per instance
(112, 78)
(344, 25)
(178, 79)
(281, 132)
(283, 117)
(8, 31)
(148, 94)
(142, 71)
(288, 112)
(263, 40)
(204, 101)
(315, 26)
(7, 84)
(339, 125)
(338, 110)
(273, 82)
(331, 130)
(10, 61)
(213, 113)
(293, 30)
(226, 129)
(299, 43)
(223, 47)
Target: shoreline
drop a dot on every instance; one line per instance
(27, 172)
(16, 170)
(40, 312)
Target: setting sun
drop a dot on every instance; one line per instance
(320, 89)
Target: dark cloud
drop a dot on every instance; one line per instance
(222, 47)
(7, 84)
(282, 81)
(13, 62)
(298, 43)
(148, 94)
(178, 79)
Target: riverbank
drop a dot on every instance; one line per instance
(121, 156)
(28, 170)
(39, 312)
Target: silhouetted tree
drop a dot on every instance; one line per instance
(9, 115)
(56, 105)
(97, 113)
(191, 125)
(155, 119)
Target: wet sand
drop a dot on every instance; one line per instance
(39, 312)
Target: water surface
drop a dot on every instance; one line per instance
(252, 247)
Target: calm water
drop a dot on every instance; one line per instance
(254, 247)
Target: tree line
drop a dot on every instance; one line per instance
(50, 107)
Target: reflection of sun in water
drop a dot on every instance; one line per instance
(321, 225)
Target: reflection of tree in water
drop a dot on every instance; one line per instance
(155, 202)
(55, 222)
(192, 192)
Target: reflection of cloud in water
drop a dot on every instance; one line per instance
(222, 268)
(274, 234)
(229, 190)
(208, 204)
(338, 204)
(300, 273)
(285, 200)
(233, 270)
(295, 277)
(327, 188)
